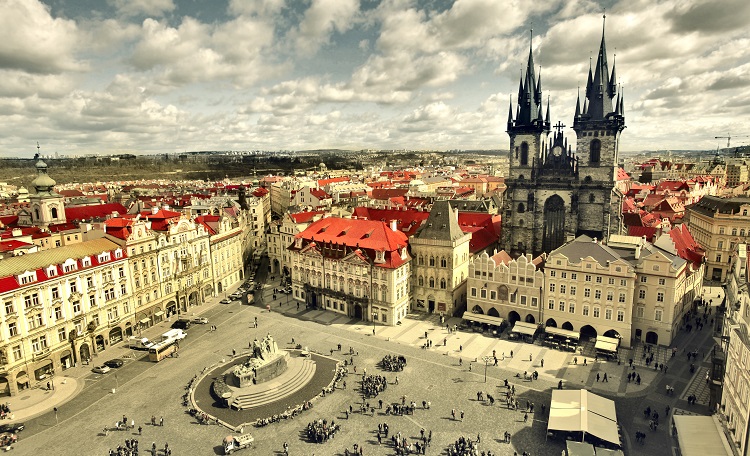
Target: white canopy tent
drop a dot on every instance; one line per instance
(700, 435)
(482, 318)
(582, 411)
(608, 344)
(527, 329)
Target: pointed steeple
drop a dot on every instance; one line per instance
(621, 110)
(589, 82)
(617, 106)
(530, 110)
(510, 113)
(600, 98)
(547, 117)
(613, 78)
(578, 104)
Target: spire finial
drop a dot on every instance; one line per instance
(604, 19)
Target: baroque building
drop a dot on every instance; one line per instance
(555, 194)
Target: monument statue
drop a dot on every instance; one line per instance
(265, 362)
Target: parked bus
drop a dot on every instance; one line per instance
(163, 349)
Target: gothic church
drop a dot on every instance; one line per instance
(554, 193)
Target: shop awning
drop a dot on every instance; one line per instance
(562, 332)
(700, 435)
(22, 378)
(609, 344)
(144, 320)
(582, 411)
(528, 329)
(482, 318)
(159, 314)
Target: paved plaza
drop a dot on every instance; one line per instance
(448, 375)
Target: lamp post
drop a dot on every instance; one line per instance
(486, 363)
(374, 315)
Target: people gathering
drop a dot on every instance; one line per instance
(372, 385)
(393, 363)
(321, 430)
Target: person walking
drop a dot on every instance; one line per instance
(140, 430)
(453, 414)
(525, 417)
(462, 415)
(605, 379)
(161, 421)
(597, 377)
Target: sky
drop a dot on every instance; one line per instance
(165, 76)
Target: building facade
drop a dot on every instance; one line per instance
(59, 307)
(719, 225)
(358, 268)
(554, 194)
(441, 250)
(501, 286)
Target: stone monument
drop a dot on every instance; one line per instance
(265, 363)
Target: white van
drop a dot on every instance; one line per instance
(139, 343)
(173, 334)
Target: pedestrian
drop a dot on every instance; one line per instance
(453, 414)
(511, 353)
(445, 342)
(460, 348)
(530, 358)
(140, 430)
(575, 360)
(460, 361)
(584, 361)
(161, 421)
(605, 379)
(525, 417)
(597, 376)
(234, 353)
(462, 415)
(542, 362)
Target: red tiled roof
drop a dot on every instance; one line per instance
(672, 186)
(120, 228)
(687, 247)
(365, 235)
(333, 180)
(640, 231)
(502, 257)
(13, 244)
(211, 222)
(59, 227)
(71, 193)
(305, 217)
(622, 175)
(160, 220)
(97, 211)
(319, 193)
(8, 220)
(484, 229)
(386, 193)
(407, 221)
(260, 192)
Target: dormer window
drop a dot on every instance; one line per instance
(118, 253)
(52, 271)
(27, 277)
(86, 262)
(69, 266)
(104, 257)
(380, 256)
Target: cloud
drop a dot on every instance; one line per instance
(148, 8)
(255, 7)
(709, 17)
(321, 20)
(35, 42)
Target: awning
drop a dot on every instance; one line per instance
(609, 344)
(528, 329)
(144, 320)
(608, 452)
(482, 318)
(580, 448)
(700, 435)
(22, 378)
(582, 411)
(562, 332)
(159, 314)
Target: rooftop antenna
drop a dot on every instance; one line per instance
(38, 153)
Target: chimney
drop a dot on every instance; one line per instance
(154, 209)
(16, 232)
(638, 251)
(394, 225)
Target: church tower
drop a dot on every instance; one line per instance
(47, 207)
(528, 132)
(553, 193)
(598, 127)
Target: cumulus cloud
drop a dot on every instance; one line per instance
(320, 20)
(35, 42)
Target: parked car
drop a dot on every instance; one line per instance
(182, 323)
(114, 363)
(226, 301)
(101, 369)
(12, 428)
(200, 320)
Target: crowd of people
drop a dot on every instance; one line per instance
(464, 446)
(321, 430)
(393, 363)
(289, 413)
(130, 448)
(372, 385)
(4, 411)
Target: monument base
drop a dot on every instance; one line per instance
(262, 373)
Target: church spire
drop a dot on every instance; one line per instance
(547, 118)
(601, 93)
(578, 104)
(530, 101)
(510, 112)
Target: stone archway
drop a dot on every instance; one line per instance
(530, 319)
(4, 386)
(513, 316)
(551, 323)
(99, 341)
(115, 335)
(612, 333)
(22, 380)
(358, 311)
(652, 338)
(588, 331)
(84, 352)
(477, 309)
(493, 312)
(567, 325)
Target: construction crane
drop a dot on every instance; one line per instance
(729, 137)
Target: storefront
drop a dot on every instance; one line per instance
(44, 369)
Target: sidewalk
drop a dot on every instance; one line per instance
(33, 402)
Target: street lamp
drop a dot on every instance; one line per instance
(486, 363)
(374, 316)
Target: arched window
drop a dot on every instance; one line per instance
(54, 212)
(595, 151)
(432, 282)
(442, 284)
(443, 262)
(420, 281)
(524, 154)
(587, 179)
(432, 261)
(521, 208)
(742, 232)
(36, 212)
(592, 198)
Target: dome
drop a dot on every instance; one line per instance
(23, 191)
(43, 183)
(41, 164)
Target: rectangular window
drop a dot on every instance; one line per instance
(597, 294)
(493, 295)
(620, 315)
(523, 300)
(611, 281)
(574, 276)
(587, 278)
(55, 293)
(608, 314)
(641, 294)
(585, 311)
(534, 302)
(551, 304)
(623, 282)
(562, 306)
(109, 294)
(621, 298)
(660, 297)
(596, 312)
(89, 283)
(61, 335)
(598, 279)
(587, 292)
(610, 296)
(552, 273)
(572, 307)
(657, 315)
(123, 290)
(17, 352)
(76, 307)
(58, 313)
(474, 292)
(572, 290)
(563, 289)
(564, 275)
(644, 279)
(9, 309)
(552, 288)
(12, 329)
(640, 311)
(73, 287)
(662, 281)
